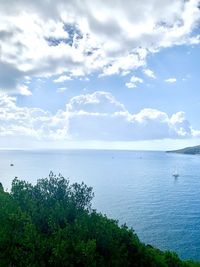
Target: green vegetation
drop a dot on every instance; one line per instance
(52, 224)
(195, 150)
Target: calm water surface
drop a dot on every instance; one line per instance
(131, 186)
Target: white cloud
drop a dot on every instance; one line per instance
(24, 90)
(133, 82)
(81, 37)
(149, 73)
(22, 122)
(61, 89)
(135, 79)
(124, 64)
(130, 85)
(170, 80)
(97, 102)
(96, 116)
(99, 116)
(195, 133)
(62, 79)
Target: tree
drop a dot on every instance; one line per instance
(52, 224)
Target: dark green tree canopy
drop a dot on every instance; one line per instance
(52, 224)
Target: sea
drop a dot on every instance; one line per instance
(137, 188)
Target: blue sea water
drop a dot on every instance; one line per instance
(134, 187)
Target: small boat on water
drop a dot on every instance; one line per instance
(11, 164)
(175, 174)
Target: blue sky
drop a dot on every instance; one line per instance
(91, 74)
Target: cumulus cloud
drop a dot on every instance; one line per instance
(149, 73)
(96, 116)
(133, 82)
(47, 38)
(24, 90)
(170, 80)
(62, 79)
(61, 89)
(99, 102)
(23, 122)
(90, 120)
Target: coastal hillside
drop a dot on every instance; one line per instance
(52, 224)
(195, 150)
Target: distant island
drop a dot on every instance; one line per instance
(195, 150)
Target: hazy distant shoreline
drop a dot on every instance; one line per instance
(195, 150)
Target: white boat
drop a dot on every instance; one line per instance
(175, 174)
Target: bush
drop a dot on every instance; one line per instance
(52, 224)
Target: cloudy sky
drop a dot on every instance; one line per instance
(99, 74)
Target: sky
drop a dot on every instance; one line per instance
(99, 74)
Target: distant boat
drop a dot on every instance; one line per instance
(175, 174)
(11, 164)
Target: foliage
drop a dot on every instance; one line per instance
(52, 224)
